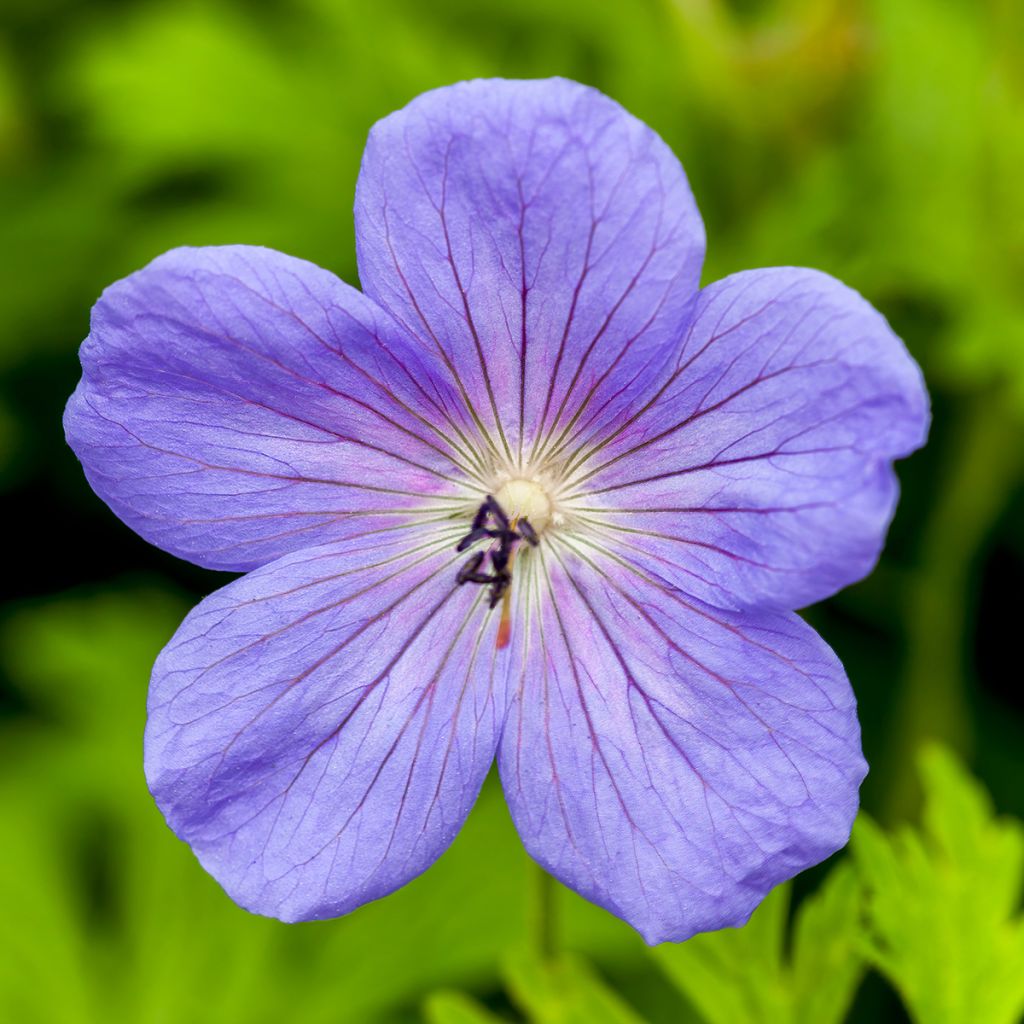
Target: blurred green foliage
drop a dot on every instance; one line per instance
(880, 140)
(944, 903)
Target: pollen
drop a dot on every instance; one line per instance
(523, 498)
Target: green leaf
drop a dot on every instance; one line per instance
(945, 926)
(456, 1008)
(742, 975)
(565, 991)
(733, 976)
(826, 966)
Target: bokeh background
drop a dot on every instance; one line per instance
(880, 140)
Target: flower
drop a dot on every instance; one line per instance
(531, 495)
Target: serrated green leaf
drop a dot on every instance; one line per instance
(944, 900)
(565, 991)
(742, 976)
(733, 976)
(825, 965)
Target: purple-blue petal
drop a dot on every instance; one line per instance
(758, 473)
(237, 403)
(319, 729)
(541, 240)
(670, 761)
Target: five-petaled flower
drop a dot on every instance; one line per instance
(531, 495)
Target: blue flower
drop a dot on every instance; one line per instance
(531, 495)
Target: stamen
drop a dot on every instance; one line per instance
(476, 534)
(527, 532)
(492, 506)
(499, 558)
(499, 587)
(468, 573)
(481, 516)
(492, 523)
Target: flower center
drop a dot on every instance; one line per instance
(525, 499)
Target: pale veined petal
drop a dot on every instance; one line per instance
(667, 760)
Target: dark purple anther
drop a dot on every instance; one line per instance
(469, 572)
(527, 532)
(476, 534)
(492, 506)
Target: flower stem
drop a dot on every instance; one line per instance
(544, 924)
(984, 463)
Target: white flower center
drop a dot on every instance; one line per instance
(521, 498)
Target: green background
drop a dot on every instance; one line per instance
(882, 141)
